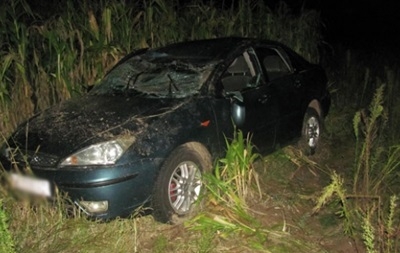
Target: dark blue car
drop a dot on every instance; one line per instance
(157, 121)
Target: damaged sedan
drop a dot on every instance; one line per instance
(145, 134)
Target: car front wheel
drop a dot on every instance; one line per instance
(311, 131)
(179, 183)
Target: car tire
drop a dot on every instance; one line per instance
(311, 132)
(179, 183)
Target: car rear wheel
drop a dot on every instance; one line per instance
(179, 183)
(311, 132)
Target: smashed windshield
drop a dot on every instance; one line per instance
(156, 74)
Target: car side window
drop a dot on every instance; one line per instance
(273, 64)
(239, 74)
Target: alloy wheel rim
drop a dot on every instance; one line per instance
(184, 187)
(312, 132)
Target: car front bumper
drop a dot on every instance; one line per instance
(122, 187)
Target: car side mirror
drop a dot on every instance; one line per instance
(238, 112)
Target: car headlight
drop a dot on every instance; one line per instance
(100, 154)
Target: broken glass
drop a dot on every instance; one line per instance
(156, 74)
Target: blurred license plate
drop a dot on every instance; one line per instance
(30, 185)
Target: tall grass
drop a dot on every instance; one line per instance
(45, 61)
(368, 125)
(355, 75)
(231, 189)
(367, 81)
(233, 198)
(231, 186)
(369, 210)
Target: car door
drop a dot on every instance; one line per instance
(288, 86)
(244, 83)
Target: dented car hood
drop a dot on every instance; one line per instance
(75, 124)
(136, 91)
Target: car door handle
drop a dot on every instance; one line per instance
(264, 99)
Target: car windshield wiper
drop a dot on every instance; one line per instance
(132, 81)
(171, 83)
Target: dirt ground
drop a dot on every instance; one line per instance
(291, 184)
(292, 202)
(292, 187)
(291, 194)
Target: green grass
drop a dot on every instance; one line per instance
(231, 187)
(6, 241)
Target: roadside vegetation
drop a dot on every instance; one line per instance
(347, 194)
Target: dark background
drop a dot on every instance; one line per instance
(354, 23)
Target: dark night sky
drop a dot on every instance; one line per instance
(357, 21)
